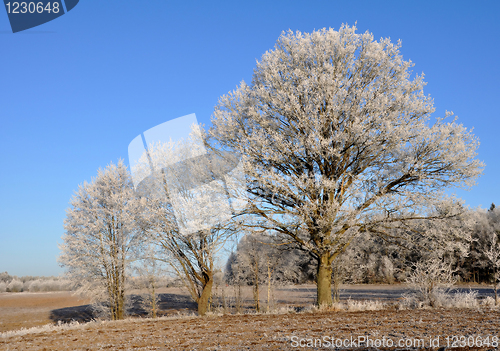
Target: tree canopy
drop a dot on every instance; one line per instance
(336, 139)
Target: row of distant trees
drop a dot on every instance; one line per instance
(338, 158)
(370, 260)
(12, 283)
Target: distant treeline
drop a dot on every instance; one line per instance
(12, 283)
(371, 259)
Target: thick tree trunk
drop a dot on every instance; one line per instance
(117, 303)
(205, 297)
(119, 306)
(336, 282)
(120, 313)
(324, 281)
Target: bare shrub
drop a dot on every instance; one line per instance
(430, 280)
(350, 306)
(409, 301)
(3, 287)
(466, 299)
(285, 309)
(367, 305)
(444, 298)
(488, 302)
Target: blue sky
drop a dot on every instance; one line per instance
(77, 90)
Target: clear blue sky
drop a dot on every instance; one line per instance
(77, 90)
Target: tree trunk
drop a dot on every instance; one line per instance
(324, 281)
(153, 297)
(205, 297)
(269, 276)
(336, 282)
(497, 282)
(496, 295)
(238, 298)
(120, 312)
(256, 296)
(116, 302)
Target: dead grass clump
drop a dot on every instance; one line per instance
(43, 329)
(350, 306)
(445, 298)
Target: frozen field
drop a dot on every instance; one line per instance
(237, 332)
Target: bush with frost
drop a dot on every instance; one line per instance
(430, 281)
(467, 299)
(15, 286)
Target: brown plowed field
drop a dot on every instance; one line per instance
(269, 332)
(392, 328)
(25, 310)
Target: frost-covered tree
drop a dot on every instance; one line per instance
(259, 260)
(486, 250)
(150, 270)
(252, 258)
(102, 234)
(336, 139)
(493, 255)
(188, 208)
(477, 266)
(289, 265)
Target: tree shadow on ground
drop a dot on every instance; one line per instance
(81, 314)
(167, 304)
(380, 293)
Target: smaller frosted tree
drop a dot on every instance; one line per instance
(265, 259)
(493, 255)
(188, 210)
(492, 252)
(253, 258)
(101, 234)
(150, 270)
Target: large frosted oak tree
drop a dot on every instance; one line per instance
(336, 139)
